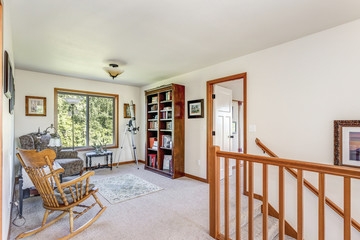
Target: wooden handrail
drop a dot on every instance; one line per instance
(309, 186)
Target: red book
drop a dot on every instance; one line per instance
(152, 158)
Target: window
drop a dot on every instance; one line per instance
(95, 118)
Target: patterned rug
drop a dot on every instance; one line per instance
(124, 187)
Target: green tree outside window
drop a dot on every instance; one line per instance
(94, 120)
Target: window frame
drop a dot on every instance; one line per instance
(94, 94)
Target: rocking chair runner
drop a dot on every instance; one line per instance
(57, 196)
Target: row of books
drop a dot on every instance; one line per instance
(166, 115)
(154, 99)
(153, 125)
(167, 162)
(168, 96)
(152, 160)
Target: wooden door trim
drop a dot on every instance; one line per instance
(209, 113)
(1, 110)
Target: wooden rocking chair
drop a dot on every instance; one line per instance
(57, 196)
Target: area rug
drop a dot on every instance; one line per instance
(124, 187)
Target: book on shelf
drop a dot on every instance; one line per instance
(167, 108)
(155, 145)
(168, 125)
(167, 165)
(152, 160)
(154, 99)
(166, 115)
(153, 125)
(151, 142)
(168, 96)
(166, 141)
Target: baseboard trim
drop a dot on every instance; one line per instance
(289, 230)
(196, 178)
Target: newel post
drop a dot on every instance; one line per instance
(214, 190)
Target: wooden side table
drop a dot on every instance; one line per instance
(105, 154)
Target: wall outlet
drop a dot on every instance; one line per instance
(199, 162)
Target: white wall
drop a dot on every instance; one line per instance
(295, 92)
(42, 85)
(7, 131)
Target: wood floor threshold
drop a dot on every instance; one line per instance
(196, 178)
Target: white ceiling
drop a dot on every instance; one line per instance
(158, 39)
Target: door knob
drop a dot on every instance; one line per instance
(231, 136)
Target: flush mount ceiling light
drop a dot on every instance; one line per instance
(113, 70)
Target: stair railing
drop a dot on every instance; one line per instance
(321, 169)
(309, 186)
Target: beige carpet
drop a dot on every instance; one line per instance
(180, 211)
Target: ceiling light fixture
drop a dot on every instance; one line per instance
(113, 70)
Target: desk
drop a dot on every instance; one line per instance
(105, 154)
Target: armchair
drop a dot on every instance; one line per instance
(68, 159)
(58, 196)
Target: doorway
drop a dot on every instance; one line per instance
(226, 114)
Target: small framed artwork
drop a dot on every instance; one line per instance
(7, 76)
(35, 106)
(196, 108)
(127, 112)
(347, 143)
(12, 99)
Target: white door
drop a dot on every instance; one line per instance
(222, 110)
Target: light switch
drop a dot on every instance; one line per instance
(252, 128)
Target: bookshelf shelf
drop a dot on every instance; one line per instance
(166, 101)
(165, 144)
(166, 148)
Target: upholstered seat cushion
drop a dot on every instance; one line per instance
(71, 166)
(68, 195)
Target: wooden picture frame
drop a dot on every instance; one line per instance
(7, 76)
(35, 106)
(12, 91)
(196, 108)
(127, 113)
(347, 143)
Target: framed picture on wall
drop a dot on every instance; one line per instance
(35, 106)
(127, 113)
(12, 90)
(196, 108)
(7, 75)
(347, 143)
